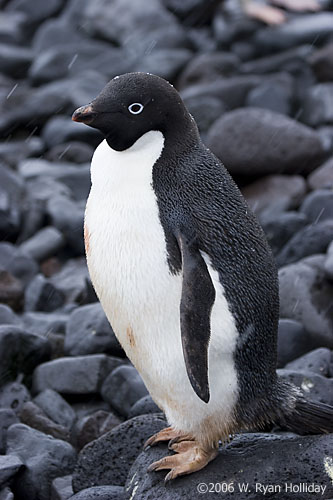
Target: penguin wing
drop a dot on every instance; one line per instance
(198, 295)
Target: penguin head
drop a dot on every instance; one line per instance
(133, 104)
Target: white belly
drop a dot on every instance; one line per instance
(127, 260)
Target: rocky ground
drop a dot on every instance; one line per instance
(74, 413)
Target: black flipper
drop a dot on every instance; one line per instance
(198, 295)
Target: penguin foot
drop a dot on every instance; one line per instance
(167, 434)
(190, 457)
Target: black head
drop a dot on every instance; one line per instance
(135, 103)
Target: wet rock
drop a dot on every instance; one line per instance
(77, 375)
(7, 418)
(301, 29)
(45, 323)
(7, 316)
(13, 396)
(60, 129)
(61, 488)
(56, 407)
(88, 332)
(20, 352)
(44, 457)
(271, 456)
(306, 296)
(314, 387)
(119, 447)
(255, 141)
(102, 493)
(11, 290)
(122, 388)
(317, 361)
(318, 105)
(318, 205)
(73, 151)
(143, 406)
(322, 177)
(312, 239)
(95, 425)
(32, 415)
(280, 227)
(275, 192)
(44, 243)
(14, 60)
(41, 295)
(9, 466)
(321, 62)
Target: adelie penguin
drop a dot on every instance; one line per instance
(185, 275)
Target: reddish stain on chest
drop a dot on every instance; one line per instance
(86, 239)
(130, 336)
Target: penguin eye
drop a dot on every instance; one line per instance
(135, 108)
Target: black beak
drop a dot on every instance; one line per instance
(85, 114)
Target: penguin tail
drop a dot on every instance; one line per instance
(308, 417)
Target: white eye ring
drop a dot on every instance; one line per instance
(132, 108)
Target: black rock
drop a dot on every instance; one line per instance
(15, 60)
(318, 205)
(143, 406)
(272, 96)
(56, 407)
(101, 493)
(328, 266)
(72, 280)
(255, 141)
(60, 129)
(118, 447)
(8, 317)
(13, 396)
(93, 426)
(20, 352)
(205, 110)
(275, 192)
(61, 488)
(89, 332)
(68, 217)
(282, 61)
(322, 177)
(166, 63)
(321, 62)
(122, 388)
(44, 457)
(11, 290)
(293, 341)
(250, 459)
(44, 243)
(73, 151)
(33, 416)
(314, 387)
(312, 239)
(45, 323)
(317, 361)
(41, 295)
(317, 107)
(77, 375)
(6, 494)
(280, 227)
(7, 418)
(306, 296)
(17, 263)
(9, 466)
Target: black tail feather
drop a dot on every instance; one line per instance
(308, 417)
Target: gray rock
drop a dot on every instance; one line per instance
(205, 110)
(322, 177)
(265, 143)
(61, 488)
(60, 129)
(20, 352)
(57, 31)
(9, 466)
(275, 192)
(318, 205)
(93, 426)
(77, 375)
(118, 447)
(317, 361)
(281, 226)
(7, 418)
(312, 239)
(272, 96)
(143, 406)
(15, 60)
(8, 317)
(282, 61)
(89, 332)
(102, 493)
(44, 243)
(56, 407)
(12, 28)
(72, 151)
(35, 11)
(41, 295)
(68, 217)
(6, 494)
(293, 341)
(18, 264)
(306, 296)
(166, 63)
(328, 266)
(250, 459)
(45, 458)
(13, 396)
(11, 290)
(122, 388)
(318, 105)
(314, 387)
(45, 323)
(72, 280)
(321, 62)
(33, 416)
(14, 151)
(11, 198)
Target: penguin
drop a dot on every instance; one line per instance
(185, 275)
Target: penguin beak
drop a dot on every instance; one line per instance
(84, 114)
